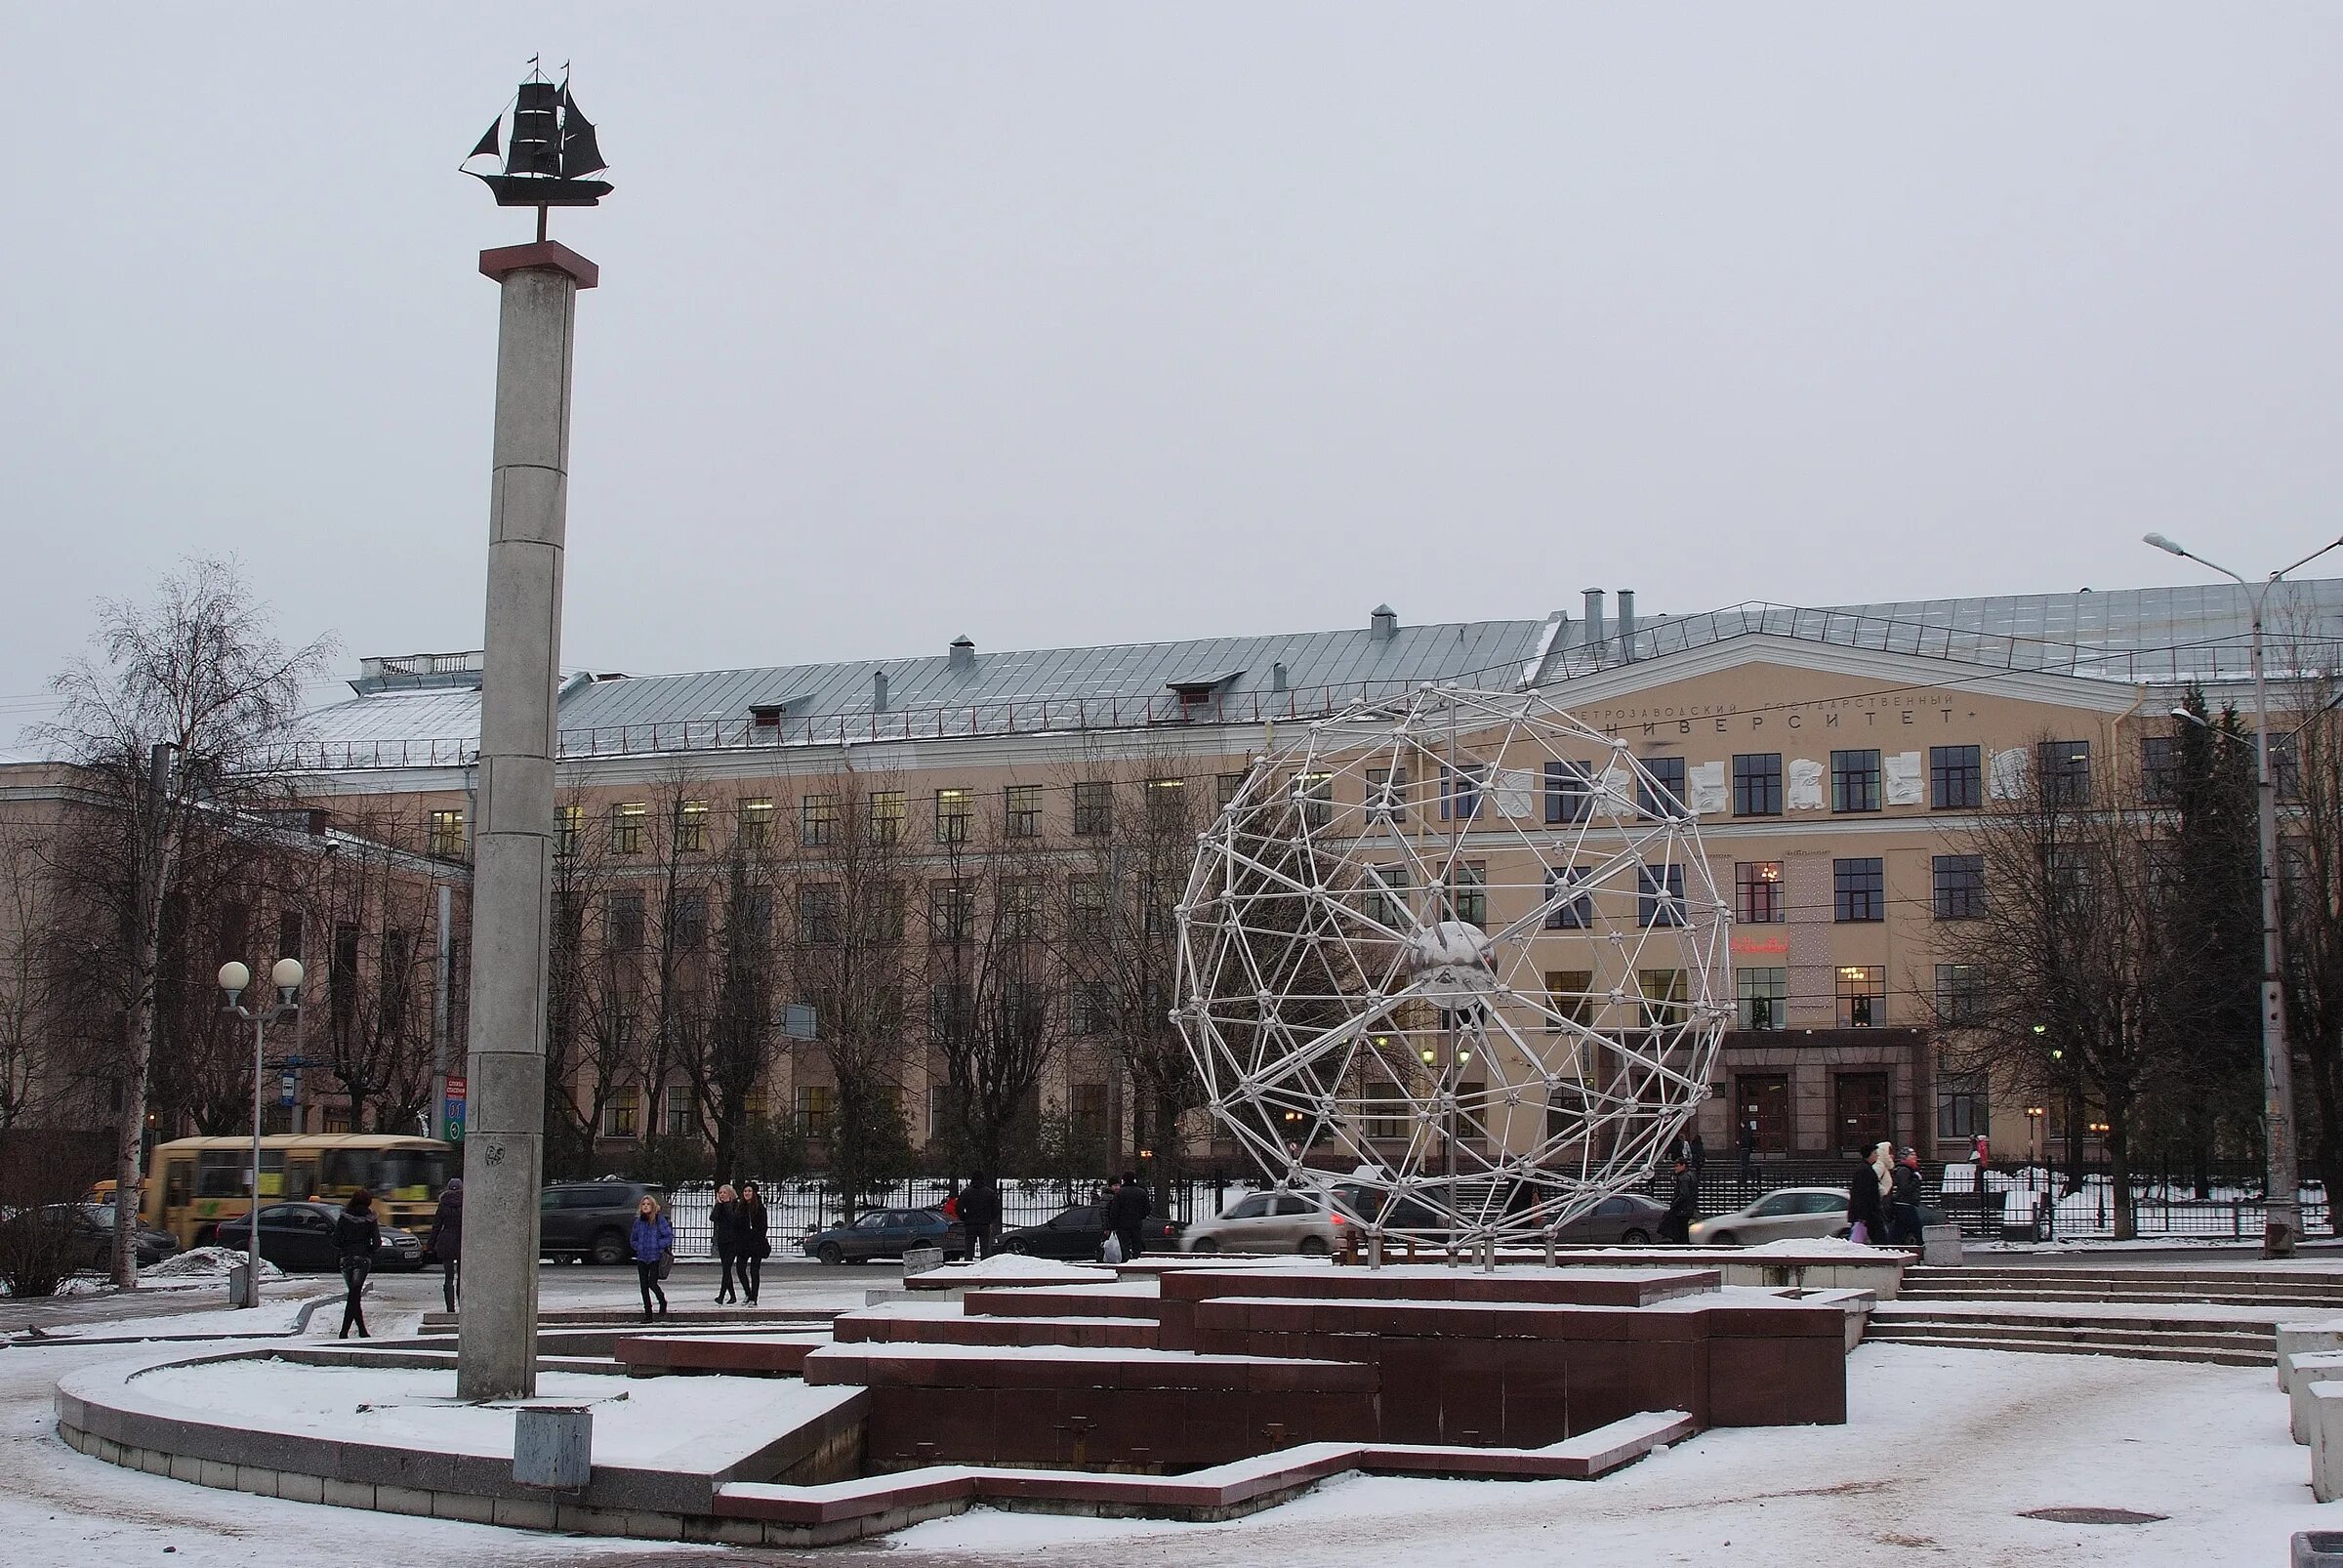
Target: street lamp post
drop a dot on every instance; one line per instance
(2281, 1210)
(234, 978)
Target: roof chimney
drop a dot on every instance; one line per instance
(1627, 623)
(1277, 677)
(1384, 624)
(963, 653)
(878, 692)
(1590, 633)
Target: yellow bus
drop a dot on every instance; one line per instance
(195, 1184)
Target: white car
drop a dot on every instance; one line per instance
(1799, 1214)
(1270, 1223)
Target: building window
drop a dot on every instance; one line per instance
(1384, 1112)
(954, 811)
(1085, 906)
(1385, 901)
(569, 829)
(1758, 892)
(1157, 898)
(688, 920)
(1021, 810)
(621, 1112)
(1660, 896)
(1167, 803)
(1964, 1105)
(817, 820)
(1757, 784)
(1021, 906)
(1659, 787)
(447, 835)
(2065, 772)
(2159, 770)
(1666, 998)
(1314, 794)
(948, 1011)
(1959, 995)
(951, 912)
(1093, 1012)
(755, 826)
(1567, 910)
(1959, 886)
(1569, 998)
(885, 821)
(1764, 998)
(1956, 778)
(1094, 807)
(1859, 890)
(1862, 996)
(1386, 795)
(678, 1113)
(1225, 789)
(882, 911)
(691, 827)
(817, 1112)
(2285, 765)
(1854, 781)
(1090, 1110)
(1568, 791)
(1469, 892)
(817, 914)
(623, 913)
(625, 826)
(1460, 792)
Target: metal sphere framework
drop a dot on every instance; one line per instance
(1463, 948)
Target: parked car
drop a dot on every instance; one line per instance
(1287, 1221)
(1629, 1220)
(887, 1233)
(589, 1220)
(299, 1238)
(89, 1240)
(1080, 1233)
(1791, 1213)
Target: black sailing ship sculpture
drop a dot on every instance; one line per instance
(549, 154)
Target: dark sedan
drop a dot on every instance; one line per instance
(299, 1238)
(89, 1234)
(1629, 1220)
(1080, 1234)
(887, 1233)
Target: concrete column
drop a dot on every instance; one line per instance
(512, 845)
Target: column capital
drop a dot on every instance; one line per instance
(506, 259)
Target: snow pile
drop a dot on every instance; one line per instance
(1826, 1247)
(206, 1263)
(1011, 1266)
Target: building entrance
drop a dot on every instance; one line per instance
(1762, 1099)
(1861, 1114)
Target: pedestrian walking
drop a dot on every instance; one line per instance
(724, 1225)
(653, 1242)
(980, 1213)
(1903, 1202)
(755, 1247)
(1866, 1198)
(1695, 1153)
(1747, 1138)
(356, 1237)
(1126, 1213)
(1683, 1204)
(950, 1207)
(448, 1241)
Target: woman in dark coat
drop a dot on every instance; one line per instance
(356, 1236)
(750, 1231)
(724, 1224)
(447, 1240)
(1867, 1212)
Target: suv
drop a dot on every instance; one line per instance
(589, 1220)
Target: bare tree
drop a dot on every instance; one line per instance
(178, 711)
(2311, 902)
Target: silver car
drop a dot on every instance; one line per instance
(1799, 1214)
(1270, 1223)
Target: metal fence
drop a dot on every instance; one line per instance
(797, 1207)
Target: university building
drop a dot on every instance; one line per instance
(1837, 758)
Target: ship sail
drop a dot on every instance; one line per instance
(580, 154)
(487, 148)
(535, 135)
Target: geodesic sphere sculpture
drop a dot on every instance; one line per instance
(1457, 957)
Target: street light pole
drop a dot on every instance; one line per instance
(234, 978)
(2282, 1200)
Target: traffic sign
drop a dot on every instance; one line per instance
(452, 1109)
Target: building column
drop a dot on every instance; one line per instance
(504, 1143)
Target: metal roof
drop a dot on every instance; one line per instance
(2132, 634)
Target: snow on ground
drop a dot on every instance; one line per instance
(1018, 1266)
(636, 1421)
(208, 1265)
(1943, 1451)
(1828, 1247)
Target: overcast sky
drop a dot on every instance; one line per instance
(1069, 324)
